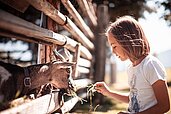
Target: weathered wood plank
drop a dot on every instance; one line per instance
(71, 46)
(84, 62)
(11, 25)
(58, 17)
(82, 83)
(75, 59)
(42, 105)
(87, 11)
(17, 25)
(49, 103)
(78, 19)
(68, 105)
(93, 7)
(100, 56)
(83, 70)
(20, 5)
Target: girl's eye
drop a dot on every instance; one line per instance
(113, 47)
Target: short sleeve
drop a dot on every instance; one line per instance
(154, 71)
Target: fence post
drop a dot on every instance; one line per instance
(75, 59)
(100, 53)
(112, 73)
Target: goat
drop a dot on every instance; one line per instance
(16, 81)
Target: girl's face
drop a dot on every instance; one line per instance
(117, 48)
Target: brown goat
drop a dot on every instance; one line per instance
(16, 81)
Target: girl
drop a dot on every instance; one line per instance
(146, 75)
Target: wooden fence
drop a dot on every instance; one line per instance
(82, 45)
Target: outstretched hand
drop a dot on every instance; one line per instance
(102, 88)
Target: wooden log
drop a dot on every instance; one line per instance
(58, 17)
(42, 105)
(84, 62)
(68, 105)
(92, 8)
(49, 103)
(71, 44)
(83, 70)
(51, 25)
(78, 19)
(100, 53)
(86, 10)
(75, 59)
(12, 26)
(113, 70)
(11, 23)
(82, 83)
(41, 55)
(20, 5)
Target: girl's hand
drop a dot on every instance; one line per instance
(102, 88)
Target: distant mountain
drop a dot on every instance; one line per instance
(165, 58)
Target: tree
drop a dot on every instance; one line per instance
(119, 8)
(167, 13)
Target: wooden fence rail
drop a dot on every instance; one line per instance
(87, 9)
(13, 26)
(58, 17)
(43, 105)
(48, 103)
(82, 45)
(78, 19)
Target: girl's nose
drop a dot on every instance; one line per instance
(114, 52)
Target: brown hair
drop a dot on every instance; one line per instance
(130, 35)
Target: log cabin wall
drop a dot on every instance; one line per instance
(70, 24)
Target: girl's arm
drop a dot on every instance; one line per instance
(102, 88)
(162, 96)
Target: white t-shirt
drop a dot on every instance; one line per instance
(140, 80)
